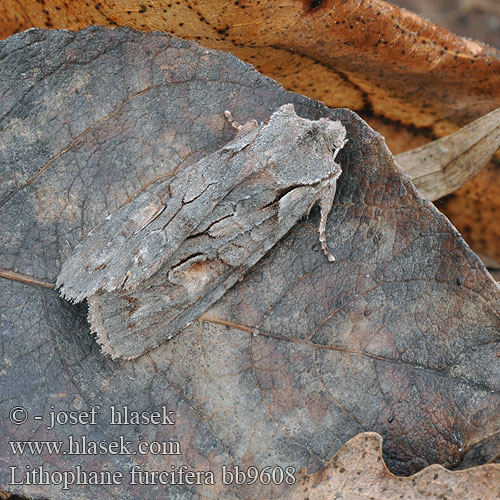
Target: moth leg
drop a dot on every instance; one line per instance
(326, 197)
(242, 129)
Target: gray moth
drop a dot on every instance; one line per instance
(160, 261)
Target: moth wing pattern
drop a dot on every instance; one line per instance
(131, 244)
(207, 227)
(131, 322)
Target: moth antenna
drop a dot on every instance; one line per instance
(242, 129)
(231, 120)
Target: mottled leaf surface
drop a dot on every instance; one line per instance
(398, 336)
(411, 79)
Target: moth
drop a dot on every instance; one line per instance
(163, 259)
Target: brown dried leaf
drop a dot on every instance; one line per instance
(412, 80)
(358, 471)
(399, 336)
(403, 67)
(477, 19)
(442, 166)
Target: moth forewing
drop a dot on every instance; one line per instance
(149, 272)
(135, 241)
(131, 322)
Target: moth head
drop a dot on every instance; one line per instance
(334, 134)
(302, 151)
(316, 148)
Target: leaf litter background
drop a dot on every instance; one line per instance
(410, 79)
(398, 337)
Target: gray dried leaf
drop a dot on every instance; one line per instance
(163, 259)
(399, 337)
(441, 167)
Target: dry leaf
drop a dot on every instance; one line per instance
(476, 19)
(399, 336)
(358, 471)
(412, 80)
(441, 167)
